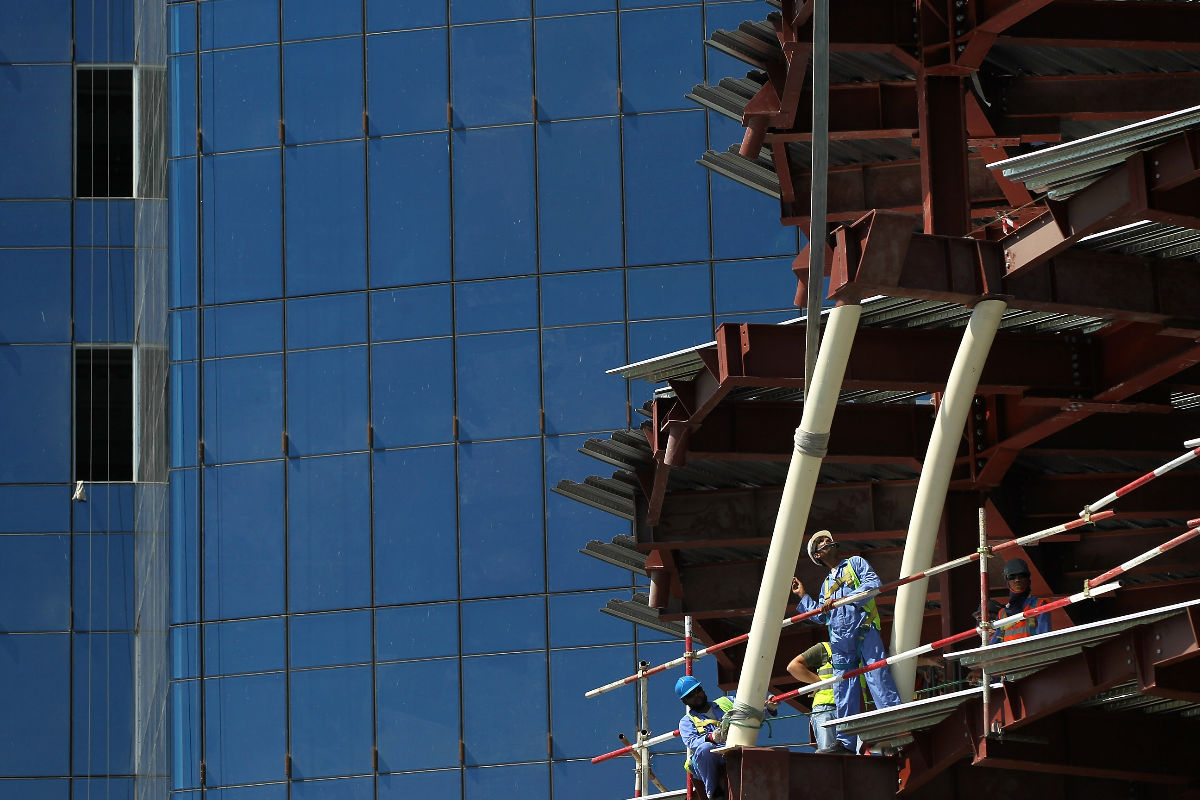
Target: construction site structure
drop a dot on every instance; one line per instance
(1009, 364)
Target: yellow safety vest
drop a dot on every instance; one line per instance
(848, 575)
(825, 696)
(704, 723)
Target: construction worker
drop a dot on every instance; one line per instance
(701, 731)
(853, 631)
(816, 664)
(1016, 573)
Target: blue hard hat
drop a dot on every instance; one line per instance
(685, 686)
(1015, 566)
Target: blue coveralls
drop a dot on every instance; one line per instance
(1030, 627)
(704, 762)
(854, 638)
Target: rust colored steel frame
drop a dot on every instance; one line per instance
(1159, 659)
(761, 772)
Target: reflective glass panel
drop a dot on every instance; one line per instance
(411, 313)
(498, 392)
(580, 723)
(657, 71)
(577, 66)
(323, 86)
(500, 626)
(327, 401)
(580, 205)
(35, 693)
(324, 640)
(579, 396)
(412, 392)
(35, 392)
(406, 694)
(494, 216)
(245, 726)
(331, 724)
(410, 209)
(242, 224)
(240, 91)
(36, 159)
(685, 290)
(326, 230)
(102, 704)
(327, 321)
(243, 329)
(408, 632)
(582, 298)
(237, 23)
(481, 306)
(243, 408)
(492, 68)
(36, 302)
(407, 81)
(524, 677)
(254, 645)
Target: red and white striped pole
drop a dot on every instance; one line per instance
(687, 670)
(1146, 556)
(1142, 481)
(653, 740)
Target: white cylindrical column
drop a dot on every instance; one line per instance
(935, 480)
(787, 539)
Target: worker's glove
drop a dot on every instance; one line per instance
(717, 736)
(772, 706)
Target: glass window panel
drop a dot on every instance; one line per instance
(243, 241)
(37, 153)
(607, 779)
(186, 754)
(408, 632)
(649, 339)
(492, 67)
(584, 297)
(544, 8)
(410, 210)
(182, 200)
(580, 205)
(685, 290)
(102, 704)
(324, 640)
(577, 66)
(35, 393)
(274, 791)
(255, 645)
(411, 313)
(181, 29)
(417, 517)
(243, 329)
(329, 533)
(390, 15)
(35, 304)
(243, 540)
(326, 218)
(575, 621)
(407, 693)
(35, 509)
(331, 724)
(104, 294)
(500, 518)
(185, 652)
(581, 723)
(185, 562)
(240, 107)
(327, 321)
(184, 418)
(470, 11)
(444, 785)
(660, 174)
(104, 31)
(34, 583)
(110, 507)
(36, 789)
(41, 224)
(36, 31)
(104, 581)
(655, 75)
(245, 728)
(323, 88)
(185, 334)
(308, 19)
(498, 392)
(243, 408)
(579, 396)
(327, 401)
(238, 23)
(104, 223)
(412, 392)
(482, 306)
(336, 789)
(501, 626)
(35, 695)
(108, 788)
(181, 124)
(494, 230)
(571, 525)
(524, 677)
(746, 223)
(407, 81)
(518, 782)
(755, 285)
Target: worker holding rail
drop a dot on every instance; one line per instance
(854, 636)
(702, 730)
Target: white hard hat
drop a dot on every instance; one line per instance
(817, 537)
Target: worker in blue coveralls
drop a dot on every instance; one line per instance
(853, 631)
(1016, 574)
(701, 731)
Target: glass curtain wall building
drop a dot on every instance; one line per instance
(406, 240)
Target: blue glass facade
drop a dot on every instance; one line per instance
(404, 241)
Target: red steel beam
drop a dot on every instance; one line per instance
(945, 184)
(1085, 23)
(1094, 97)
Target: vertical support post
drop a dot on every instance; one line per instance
(935, 481)
(643, 773)
(984, 627)
(688, 657)
(942, 121)
(818, 188)
(787, 538)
